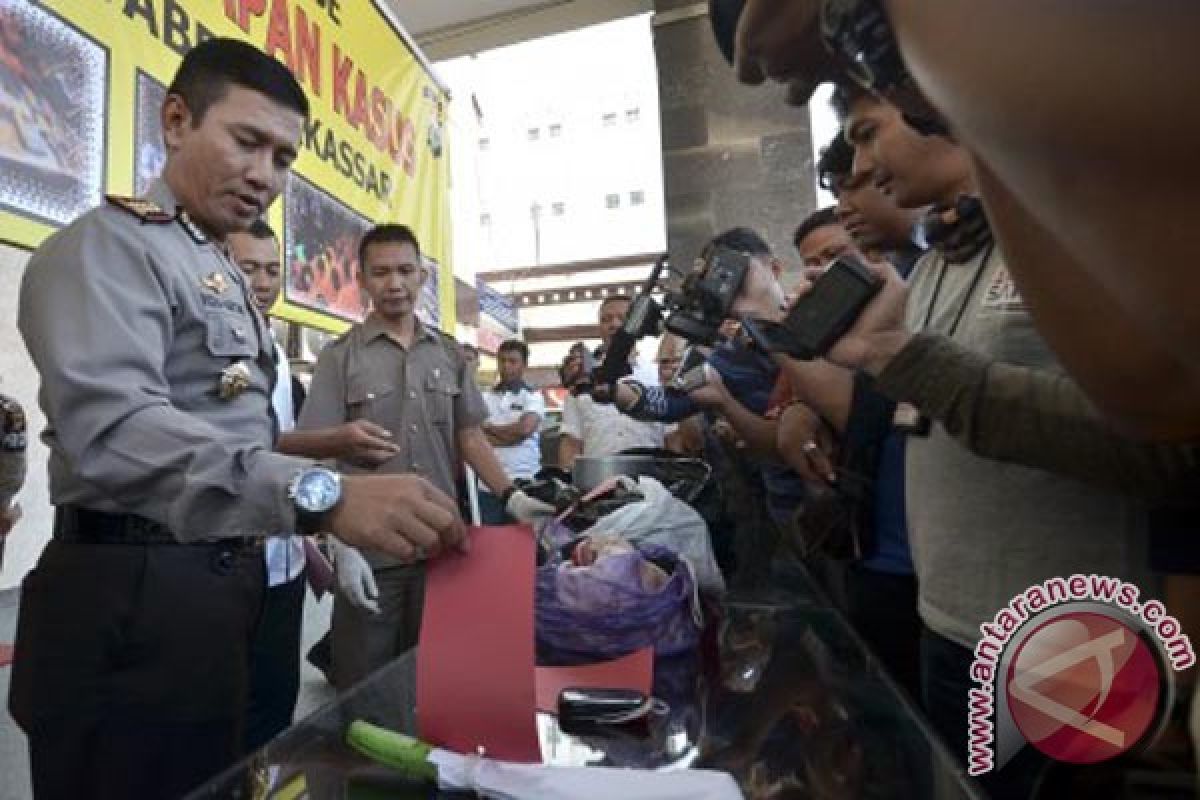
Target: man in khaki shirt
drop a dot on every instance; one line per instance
(413, 382)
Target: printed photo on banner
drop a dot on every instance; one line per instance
(81, 89)
(52, 115)
(321, 238)
(149, 151)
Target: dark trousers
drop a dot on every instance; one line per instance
(362, 641)
(132, 666)
(945, 682)
(112, 759)
(492, 510)
(883, 609)
(275, 664)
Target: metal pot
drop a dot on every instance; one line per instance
(588, 473)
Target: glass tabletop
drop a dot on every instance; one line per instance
(781, 694)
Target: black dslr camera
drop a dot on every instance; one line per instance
(705, 300)
(822, 316)
(694, 312)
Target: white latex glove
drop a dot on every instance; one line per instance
(524, 508)
(354, 577)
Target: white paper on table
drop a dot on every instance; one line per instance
(500, 780)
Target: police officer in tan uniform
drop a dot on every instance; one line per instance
(134, 628)
(411, 381)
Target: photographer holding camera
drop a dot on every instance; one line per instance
(735, 381)
(1057, 174)
(591, 428)
(959, 346)
(1031, 415)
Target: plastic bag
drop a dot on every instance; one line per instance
(663, 519)
(608, 610)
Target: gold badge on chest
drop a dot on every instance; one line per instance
(215, 282)
(235, 379)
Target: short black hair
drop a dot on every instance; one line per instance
(390, 233)
(846, 95)
(613, 298)
(741, 239)
(210, 68)
(514, 346)
(821, 218)
(835, 164)
(259, 229)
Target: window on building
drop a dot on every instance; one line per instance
(612, 201)
(609, 119)
(485, 143)
(485, 220)
(633, 115)
(555, 130)
(558, 209)
(534, 134)
(636, 198)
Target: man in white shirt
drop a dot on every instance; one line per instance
(594, 429)
(275, 671)
(515, 412)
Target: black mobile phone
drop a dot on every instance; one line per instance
(821, 317)
(590, 710)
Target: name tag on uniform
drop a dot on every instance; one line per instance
(517, 407)
(215, 282)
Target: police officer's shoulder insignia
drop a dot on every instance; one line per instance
(447, 341)
(140, 207)
(215, 282)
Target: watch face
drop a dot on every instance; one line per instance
(317, 491)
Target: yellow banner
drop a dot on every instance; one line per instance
(82, 81)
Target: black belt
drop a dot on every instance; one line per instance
(83, 526)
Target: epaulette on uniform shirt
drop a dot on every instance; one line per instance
(448, 343)
(446, 338)
(143, 209)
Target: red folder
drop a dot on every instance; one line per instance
(475, 660)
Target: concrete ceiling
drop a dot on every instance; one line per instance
(449, 28)
(422, 16)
